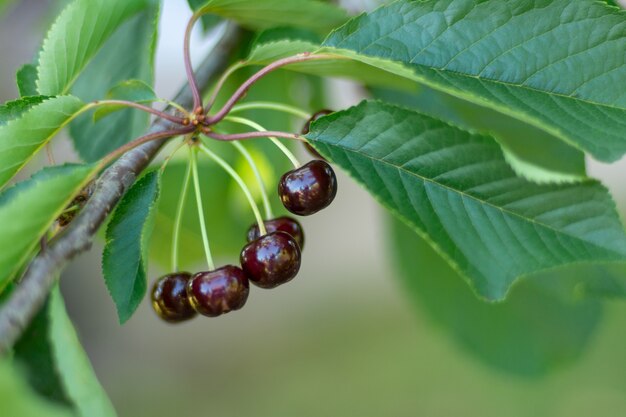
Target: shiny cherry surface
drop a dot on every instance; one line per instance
(217, 292)
(271, 260)
(308, 189)
(280, 224)
(169, 297)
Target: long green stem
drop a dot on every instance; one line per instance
(274, 140)
(266, 201)
(196, 184)
(268, 105)
(242, 184)
(179, 214)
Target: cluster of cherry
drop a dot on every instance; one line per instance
(267, 260)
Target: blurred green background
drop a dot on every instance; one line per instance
(348, 337)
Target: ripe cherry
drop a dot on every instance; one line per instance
(308, 189)
(217, 292)
(280, 224)
(169, 297)
(307, 128)
(271, 260)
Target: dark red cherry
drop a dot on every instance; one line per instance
(280, 224)
(308, 189)
(271, 260)
(169, 297)
(217, 292)
(307, 128)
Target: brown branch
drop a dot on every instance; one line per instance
(42, 272)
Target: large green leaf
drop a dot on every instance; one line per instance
(28, 209)
(127, 55)
(21, 138)
(18, 399)
(132, 90)
(544, 156)
(124, 260)
(457, 189)
(76, 36)
(531, 333)
(14, 109)
(264, 14)
(77, 375)
(557, 65)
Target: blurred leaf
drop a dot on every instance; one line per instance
(529, 334)
(34, 352)
(208, 20)
(264, 14)
(76, 36)
(127, 55)
(556, 65)
(124, 259)
(79, 380)
(132, 90)
(28, 209)
(27, 80)
(21, 138)
(285, 33)
(18, 400)
(456, 188)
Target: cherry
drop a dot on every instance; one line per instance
(271, 260)
(307, 128)
(217, 292)
(308, 189)
(169, 297)
(280, 224)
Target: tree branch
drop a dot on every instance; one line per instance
(41, 274)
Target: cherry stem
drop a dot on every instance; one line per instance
(268, 105)
(171, 155)
(191, 77)
(220, 84)
(161, 114)
(243, 89)
(241, 183)
(253, 135)
(144, 139)
(274, 139)
(196, 184)
(179, 214)
(257, 173)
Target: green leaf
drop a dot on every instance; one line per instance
(124, 259)
(457, 189)
(534, 152)
(553, 64)
(18, 399)
(76, 36)
(531, 333)
(28, 209)
(27, 80)
(264, 14)
(34, 353)
(76, 373)
(132, 90)
(21, 138)
(14, 109)
(127, 55)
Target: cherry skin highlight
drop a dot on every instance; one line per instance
(307, 128)
(271, 260)
(280, 224)
(308, 189)
(217, 292)
(169, 297)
